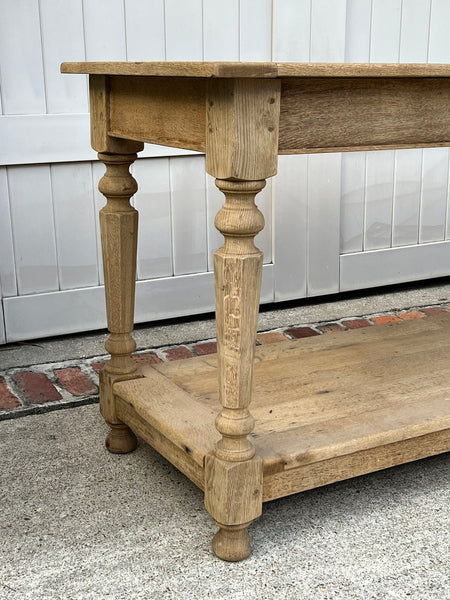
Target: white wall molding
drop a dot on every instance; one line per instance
(394, 265)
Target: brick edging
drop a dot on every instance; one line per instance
(52, 386)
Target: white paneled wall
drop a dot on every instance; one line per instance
(377, 209)
(394, 199)
(307, 189)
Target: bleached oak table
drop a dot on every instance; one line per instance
(323, 409)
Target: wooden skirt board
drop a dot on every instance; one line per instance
(326, 408)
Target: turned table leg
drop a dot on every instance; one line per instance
(241, 153)
(118, 225)
(233, 478)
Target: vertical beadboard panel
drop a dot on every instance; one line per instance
(63, 40)
(99, 201)
(357, 49)
(291, 31)
(184, 41)
(153, 203)
(290, 227)
(438, 52)
(405, 223)
(104, 30)
(255, 36)
(221, 30)
(6, 254)
(291, 42)
(379, 198)
(328, 19)
(21, 58)
(188, 203)
(328, 22)
(144, 22)
(385, 32)
(74, 225)
(439, 45)
(324, 177)
(184, 36)
(357, 30)
(414, 31)
(384, 47)
(415, 20)
(434, 195)
(2, 319)
(353, 186)
(7, 266)
(33, 228)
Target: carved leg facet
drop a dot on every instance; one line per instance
(233, 474)
(118, 225)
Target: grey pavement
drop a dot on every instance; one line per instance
(78, 523)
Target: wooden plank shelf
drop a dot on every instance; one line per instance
(326, 408)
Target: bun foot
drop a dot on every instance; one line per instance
(120, 439)
(232, 542)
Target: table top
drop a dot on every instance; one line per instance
(259, 70)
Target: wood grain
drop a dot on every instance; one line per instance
(337, 114)
(326, 408)
(325, 472)
(99, 101)
(169, 112)
(242, 128)
(257, 69)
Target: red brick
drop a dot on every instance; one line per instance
(385, 319)
(205, 348)
(271, 337)
(330, 328)
(36, 387)
(356, 323)
(412, 314)
(98, 366)
(7, 398)
(146, 358)
(433, 310)
(301, 332)
(75, 381)
(178, 353)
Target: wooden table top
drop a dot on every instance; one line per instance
(260, 70)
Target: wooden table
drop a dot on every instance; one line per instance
(323, 409)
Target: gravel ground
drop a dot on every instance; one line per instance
(80, 524)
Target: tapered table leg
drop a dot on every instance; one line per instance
(118, 225)
(233, 492)
(241, 153)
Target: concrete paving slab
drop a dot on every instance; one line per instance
(80, 524)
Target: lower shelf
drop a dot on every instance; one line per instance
(326, 408)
